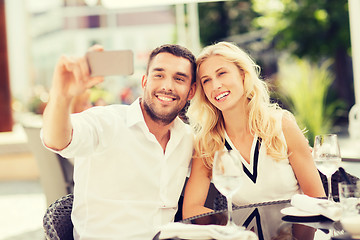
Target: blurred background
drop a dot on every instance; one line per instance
(303, 47)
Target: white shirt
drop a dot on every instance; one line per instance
(125, 185)
(264, 178)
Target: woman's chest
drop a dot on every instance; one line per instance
(244, 145)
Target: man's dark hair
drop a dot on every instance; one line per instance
(178, 51)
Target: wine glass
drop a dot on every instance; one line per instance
(349, 194)
(327, 157)
(226, 175)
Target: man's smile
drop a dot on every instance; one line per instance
(165, 98)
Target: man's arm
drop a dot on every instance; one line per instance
(71, 78)
(57, 127)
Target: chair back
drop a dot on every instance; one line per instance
(354, 122)
(57, 222)
(51, 173)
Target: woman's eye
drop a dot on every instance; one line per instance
(221, 73)
(205, 81)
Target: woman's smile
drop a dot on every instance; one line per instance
(222, 96)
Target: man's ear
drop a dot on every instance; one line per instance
(143, 81)
(192, 91)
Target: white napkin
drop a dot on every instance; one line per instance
(323, 207)
(194, 231)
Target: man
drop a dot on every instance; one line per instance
(130, 161)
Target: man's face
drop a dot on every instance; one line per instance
(167, 87)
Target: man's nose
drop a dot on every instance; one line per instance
(168, 84)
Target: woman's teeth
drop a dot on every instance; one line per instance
(222, 95)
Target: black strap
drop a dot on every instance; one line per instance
(256, 160)
(255, 214)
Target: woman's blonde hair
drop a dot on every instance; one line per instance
(264, 117)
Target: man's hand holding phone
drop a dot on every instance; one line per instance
(72, 76)
(110, 63)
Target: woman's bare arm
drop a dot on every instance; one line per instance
(196, 190)
(301, 159)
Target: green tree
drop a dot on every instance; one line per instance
(315, 29)
(303, 87)
(219, 20)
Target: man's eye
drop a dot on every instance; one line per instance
(179, 79)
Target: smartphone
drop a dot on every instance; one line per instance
(110, 63)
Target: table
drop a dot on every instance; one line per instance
(266, 220)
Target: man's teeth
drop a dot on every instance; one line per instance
(165, 98)
(220, 96)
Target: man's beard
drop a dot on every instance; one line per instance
(164, 119)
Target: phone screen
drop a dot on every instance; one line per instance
(110, 63)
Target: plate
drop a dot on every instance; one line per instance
(293, 211)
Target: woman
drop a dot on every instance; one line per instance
(231, 109)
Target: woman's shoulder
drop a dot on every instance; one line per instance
(288, 120)
(282, 119)
(291, 129)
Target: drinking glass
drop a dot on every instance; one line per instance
(349, 194)
(326, 153)
(226, 174)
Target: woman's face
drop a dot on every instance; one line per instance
(222, 82)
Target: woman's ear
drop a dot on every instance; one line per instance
(242, 72)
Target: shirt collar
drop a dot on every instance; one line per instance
(177, 126)
(134, 114)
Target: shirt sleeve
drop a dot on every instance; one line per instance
(72, 149)
(87, 128)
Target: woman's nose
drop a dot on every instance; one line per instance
(216, 84)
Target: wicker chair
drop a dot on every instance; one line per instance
(57, 219)
(335, 179)
(57, 222)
